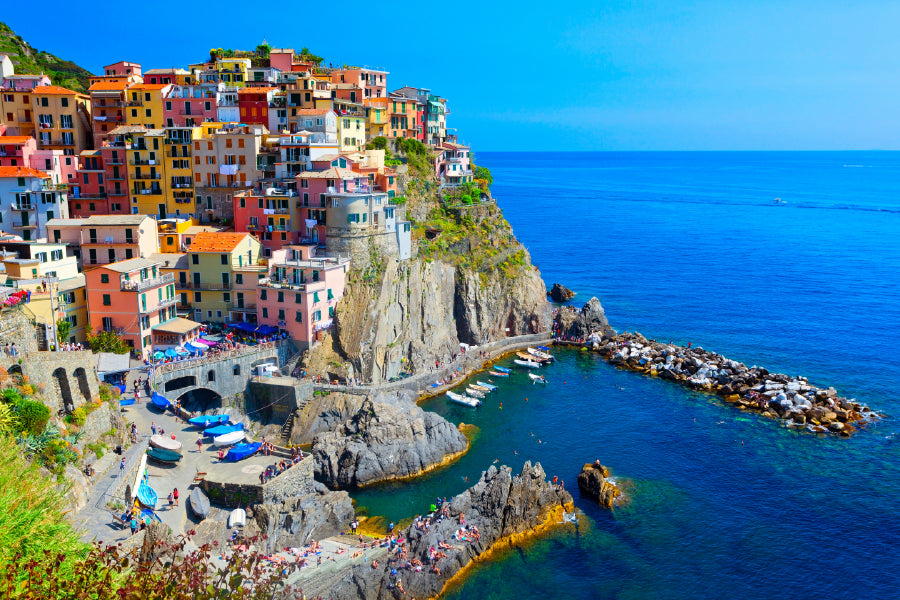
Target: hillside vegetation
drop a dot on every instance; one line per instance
(31, 61)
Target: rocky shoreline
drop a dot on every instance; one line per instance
(793, 400)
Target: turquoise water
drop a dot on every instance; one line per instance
(690, 246)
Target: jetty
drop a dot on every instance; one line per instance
(792, 399)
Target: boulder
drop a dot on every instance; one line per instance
(594, 482)
(581, 324)
(383, 442)
(298, 520)
(560, 293)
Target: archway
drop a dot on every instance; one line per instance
(201, 400)
(65, 393)
(83, 385)
(180, 382)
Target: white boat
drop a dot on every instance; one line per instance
(229, 438)
(476, 393)
(166, 443)
(489, 386)
(537, 378)
(539, 354)
(237, 518)
(527, 363)
(479, 387)
(463, 399)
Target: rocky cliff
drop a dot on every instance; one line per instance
(384, 442)
(469, 281)
(501, 507)
(594, 482)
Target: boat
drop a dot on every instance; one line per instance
(223, 429)
(537, 378)
(237, 518)
(163, 455)
(491, 387)
(146, 495)
(160, 401)
(166, 443)
(126, 401)
(229, 438)
(502, 369)
(476, 393)
(479, 387)
(540, 353)
(498, 373)
(199, 503)
(209, 420)
(531, 357)
(528, 363)
(241, 451)
(463, 399)
(148, 515)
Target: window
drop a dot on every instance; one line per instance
(330, 295)
(265, 313)
(281, 296)
(317, 316)
(224, 259)
(195, 259)
(107, 300)
(263, 295)
(315, 297)
(104, 278)
(238, 279)
(197, 297)
(298, 316)
(330, 311)
(236, 370)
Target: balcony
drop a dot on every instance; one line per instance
(146, 176)
(22, 206)
(279, 284)
(110, 241)
(166, 303)
(193, 285)
(15, 153)
(142, 163)
(23, 225)
(148, 192)
(129, 285)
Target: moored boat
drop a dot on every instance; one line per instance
(222, 429)
(475, 393)
(498, 373)
(242, 451)
(229, 438)
(502, 369)
(166, 443)
(148, 515)
(146, 495)
(163, 455)
(209, 420)
(237, 518)
(160, 401)
(489, 386)
(537, 378)
(540, 353)
(199, 503)
(528, 363)
(463, 399)
(531, 357)
(479, 387)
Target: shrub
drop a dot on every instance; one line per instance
(77, 416)
(33, 416)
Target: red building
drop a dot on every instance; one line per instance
(267, 215)
(254, 104)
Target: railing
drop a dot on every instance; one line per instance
(164, 303)
(147, 176)
(280, 284)
(213, 356)
(22, 206)
(23, 225)
(130, 285)
(192, 285)
(109, 241)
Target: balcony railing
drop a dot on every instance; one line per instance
(279, 284)
(23, 225)
(146, 176)
(130, 285)
(110, 241)
(193, 285)
(165, 303)
(145, 162)
(23, 206)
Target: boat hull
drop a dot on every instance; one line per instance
(163, 455)
(527, 363)
(229, 438)
(146, 495)
(159, 441)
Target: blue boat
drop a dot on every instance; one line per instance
(160, 401)
(502, 369)
(222, 429)
(146, 495)
(126, 401)
(148, 515)
(241, 451)
(209, 420)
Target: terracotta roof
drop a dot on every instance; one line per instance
(313, 111)
(22, 172)
(15, 139)
(209, 241)
(108, 86)
(150, 86)
(53, 89)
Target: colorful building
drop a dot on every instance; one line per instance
(267, 215)
(108, 106)
(28, 200)
(452, 164)
(16, 110)
(301, 293)
(104, 239)
(351, 133)
(225, 163)
(62, 119)
(189, 105)
(224, 270)
(145, 105)
(131, 298)
(373, 82)
(253, 104)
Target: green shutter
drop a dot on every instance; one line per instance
(315, 296)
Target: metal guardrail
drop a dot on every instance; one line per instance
(263, 348)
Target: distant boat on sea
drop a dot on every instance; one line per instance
(779, 201)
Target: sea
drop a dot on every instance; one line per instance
(693, 247)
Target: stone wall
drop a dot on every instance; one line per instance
(273, 399)
(16, 328)
(232, 495)
(359, 245)
(296, 481)
(64, 380)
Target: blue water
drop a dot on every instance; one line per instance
(691, 247)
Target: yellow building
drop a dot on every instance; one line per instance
(224, 272)
(171, 234)
(146, 169)
(378, 118)
(145, 105)
(233, 71)
(179, 170)
(351, 133)
(62, 119)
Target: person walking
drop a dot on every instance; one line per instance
(153, 427)
(171, 500)
(122, 465)
(200, 444)
(175, 496)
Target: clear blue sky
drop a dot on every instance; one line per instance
(615, 75)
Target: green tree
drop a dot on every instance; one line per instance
(484, 173)
(106, 341)
(63, 327)
(263, 50)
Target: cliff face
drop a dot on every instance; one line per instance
(469, 281)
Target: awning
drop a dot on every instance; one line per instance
(266, 330)
(182, 351)
(158, 355)
(199, 347)
(171, 353)
(244, 326)
(206, 342)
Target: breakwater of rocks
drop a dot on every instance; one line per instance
(794, 400)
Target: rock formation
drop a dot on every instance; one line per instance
(594, 482)
(501, 506)
(577, 325)
(384, 442)
(297, 521)
(560, 293)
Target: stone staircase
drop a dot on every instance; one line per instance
(288, 427)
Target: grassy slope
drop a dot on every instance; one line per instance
(30, 61)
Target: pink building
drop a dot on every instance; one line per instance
(189, 105)
(266, 215)
(372, 81)
(301, 293)
(131, 298)
(15, 150)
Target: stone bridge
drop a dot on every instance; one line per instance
(225, 373)
(63, 380)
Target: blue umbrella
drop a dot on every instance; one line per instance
(171, 353)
